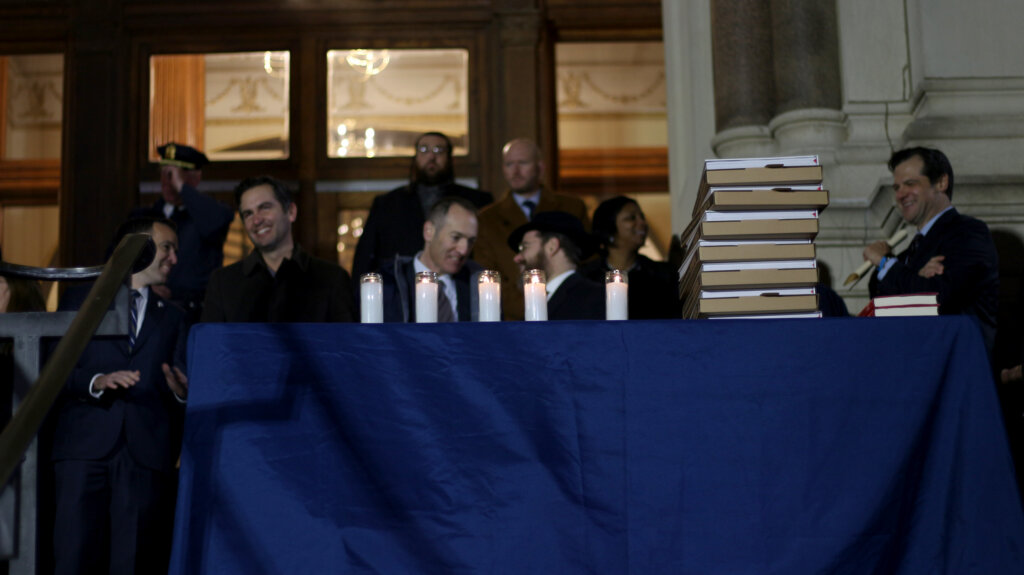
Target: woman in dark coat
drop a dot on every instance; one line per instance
(621, 230)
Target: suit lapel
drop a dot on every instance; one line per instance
(944, 221)
(408, 269)
(155, 310)
(929, 243)
(548, 202)
(561, 294)
(462, 287)
(412, 212)
(511, 213)
(123, 292)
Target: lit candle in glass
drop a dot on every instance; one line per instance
(616, 295)
(535, 295)
(371, 299)
(426, 297)
(489, 286)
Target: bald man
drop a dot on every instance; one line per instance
(523, 168)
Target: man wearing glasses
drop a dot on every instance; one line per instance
(395, 224)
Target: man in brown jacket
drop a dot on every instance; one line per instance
(523, 170)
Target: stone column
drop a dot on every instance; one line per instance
(808, 97)
(689, 93)
(744, 79)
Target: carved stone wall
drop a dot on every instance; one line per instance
(907, 72)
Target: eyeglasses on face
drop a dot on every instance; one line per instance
(435, 149)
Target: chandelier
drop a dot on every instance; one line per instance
(368, 62)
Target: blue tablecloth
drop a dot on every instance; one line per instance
(648, 447)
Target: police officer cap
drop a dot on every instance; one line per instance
(181, 155)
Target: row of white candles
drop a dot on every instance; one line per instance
(371, 294)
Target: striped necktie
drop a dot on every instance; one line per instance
(444, 305)
(133, 312)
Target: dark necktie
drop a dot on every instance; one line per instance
(133, 318)
(912, 248)
(444, 305)
(529, 205)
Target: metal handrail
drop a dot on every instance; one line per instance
(48, 274)
(22, 428)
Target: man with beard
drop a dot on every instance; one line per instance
(523, 169)
(118, 426)
(394, 226)
(278, 281)
(556, 243)
(448, 234)
(952, 254)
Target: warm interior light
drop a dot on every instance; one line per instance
(368, 62)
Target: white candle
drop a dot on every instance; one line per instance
(489, 295)
(535, 295)
(371, 299)
(616, 295)
(426, 297)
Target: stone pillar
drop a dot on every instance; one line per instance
(689, 93)
(806, 55)
(808, 94)
(744, 79)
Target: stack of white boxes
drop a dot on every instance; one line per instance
(750, 247)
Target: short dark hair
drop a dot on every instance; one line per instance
(281, 191)
(138, 225)
(936, 164)
(572, 251)
(439, 211)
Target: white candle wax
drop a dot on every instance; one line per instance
(616, 300)
(490, 301)
(426, 302)
(371, 302)
(536, 300)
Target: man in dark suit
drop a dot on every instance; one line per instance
(202, 225)
(523, 168)
(952, 254)
(118, 431)
(448, 234)
(394, 226)
(556, 243)
(278, 281)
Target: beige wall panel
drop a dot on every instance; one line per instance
(30, 235)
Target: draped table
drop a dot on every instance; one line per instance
(773, 446)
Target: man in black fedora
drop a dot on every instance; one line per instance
(202, 224)
(556, 242)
